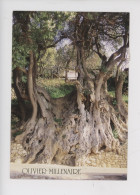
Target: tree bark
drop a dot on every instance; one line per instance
(31, 87)
(120, 103)
(19, 93)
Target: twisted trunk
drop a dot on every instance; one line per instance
(19, 92)
(65, 129)
(120, 103)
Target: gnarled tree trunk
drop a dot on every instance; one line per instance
(120, 103)
(65, 129)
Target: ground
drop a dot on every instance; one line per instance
(103, 159)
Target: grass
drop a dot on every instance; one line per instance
(43, 82)
(14, 122)
(58, 120)
(125, 98)
(14, 102)
(60, 91)
(17, 133)
(112, 94)
(56, 87)
(115, 133)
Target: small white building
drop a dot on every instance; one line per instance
(71, 74)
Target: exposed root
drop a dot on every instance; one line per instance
(78, 135)
(120, 126)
